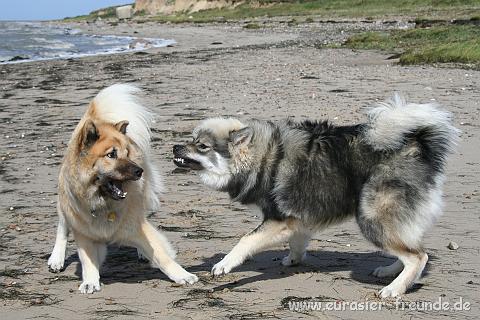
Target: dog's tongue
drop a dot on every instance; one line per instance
(117, 189)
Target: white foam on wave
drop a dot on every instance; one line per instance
(144, 43)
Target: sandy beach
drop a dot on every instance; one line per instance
(213, 70)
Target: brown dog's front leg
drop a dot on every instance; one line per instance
(157, 249)
(91, 254)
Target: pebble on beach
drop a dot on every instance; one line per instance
(452, 245)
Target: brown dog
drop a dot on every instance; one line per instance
(106, 186)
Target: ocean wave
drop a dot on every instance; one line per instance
(51, 44)
(24, 42)
(58, 55)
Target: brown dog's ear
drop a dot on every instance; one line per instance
(89, 134)
(122, 126)
(242, 136)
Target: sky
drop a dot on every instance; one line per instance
(51, 9)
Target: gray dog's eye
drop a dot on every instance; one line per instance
(202, 146)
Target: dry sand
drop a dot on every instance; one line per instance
(269, 74)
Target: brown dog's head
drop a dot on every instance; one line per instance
(108, 154)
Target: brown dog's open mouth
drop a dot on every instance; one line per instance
(114, 189)
(187, 163)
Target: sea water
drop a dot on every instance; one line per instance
(30, 41)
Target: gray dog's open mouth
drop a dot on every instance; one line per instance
(187, 163)
(114, 189)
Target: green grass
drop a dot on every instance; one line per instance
(438, 44)
(370, 9)
(441, 9)
(252, 26)
(104, 13)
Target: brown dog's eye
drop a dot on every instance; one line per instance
(112, 154)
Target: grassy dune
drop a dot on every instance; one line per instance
(437, 44)
(443, 9)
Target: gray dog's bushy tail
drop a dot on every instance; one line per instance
(391, 122)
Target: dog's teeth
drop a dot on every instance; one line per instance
(181, 160)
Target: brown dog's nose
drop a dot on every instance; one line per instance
(138, 172)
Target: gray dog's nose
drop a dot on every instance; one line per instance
(176, 148)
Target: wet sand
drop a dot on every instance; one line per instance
(223, 70)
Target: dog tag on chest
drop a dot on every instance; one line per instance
(111, 216)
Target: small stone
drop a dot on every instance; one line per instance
(348, 244)
(12, 208)
(28, 169)
(452, 245)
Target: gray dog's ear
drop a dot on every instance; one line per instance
(122, 126)
(89, 134)
(242, 136)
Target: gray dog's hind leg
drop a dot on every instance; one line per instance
(298, 245)
(389, 271)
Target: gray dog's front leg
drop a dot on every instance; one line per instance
(268, 234)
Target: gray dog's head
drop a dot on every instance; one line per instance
(221, 148)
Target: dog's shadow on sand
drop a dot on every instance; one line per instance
(268, 264)
(122, 265)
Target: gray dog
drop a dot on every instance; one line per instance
(387, 173)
